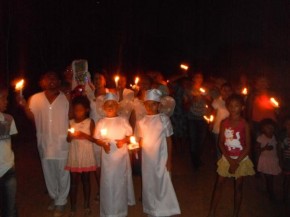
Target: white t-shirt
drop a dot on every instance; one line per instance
(52, 123)
(221, 113)
(7, 128)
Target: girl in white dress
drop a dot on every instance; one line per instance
(268, 163)
(112, 133)
(81, 160)
(155, 130)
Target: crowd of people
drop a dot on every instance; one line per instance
(84, 127)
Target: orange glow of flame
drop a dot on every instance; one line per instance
(245, 91)
(19, 85)
(183, 66)
(274, 102)
(136, 80)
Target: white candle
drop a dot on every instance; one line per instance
(19, 86)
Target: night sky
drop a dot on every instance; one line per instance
(218, 37)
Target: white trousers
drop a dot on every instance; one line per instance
(57, 180)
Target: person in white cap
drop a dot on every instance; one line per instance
(114, 132)
(155, 131)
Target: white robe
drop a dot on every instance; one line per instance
(117, 190)
(159, 198)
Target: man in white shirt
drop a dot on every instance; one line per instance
(49, 110)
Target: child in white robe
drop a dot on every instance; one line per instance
(114, 132)
(155, 130)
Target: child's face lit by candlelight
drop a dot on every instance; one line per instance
(151, 107)
(111, 108)
(80, 112)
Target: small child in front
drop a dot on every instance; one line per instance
(234, 142)
(7, 170)
(155, 130)
(112, 133)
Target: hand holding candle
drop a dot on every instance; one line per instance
(134, 145)
(19, 87)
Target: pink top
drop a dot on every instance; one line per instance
(235, 138)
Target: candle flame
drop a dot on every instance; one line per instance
(19, 85)
(183, 66)
(104, 132)
(136, 80)
(209, 119)
(245, 91)
(117, 78)
(274, 102)
(133, 143)
(71, 130)
(202, 90)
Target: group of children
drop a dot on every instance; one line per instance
(112, 133)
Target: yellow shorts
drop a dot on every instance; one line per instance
(246, 168)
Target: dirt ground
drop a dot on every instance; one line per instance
(193, 188)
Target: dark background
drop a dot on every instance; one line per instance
(225, 37)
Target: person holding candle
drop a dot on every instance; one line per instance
(234, 143)
(49, 110)
(155, 131)
(114, 133)
(8, 183)
(81, 160)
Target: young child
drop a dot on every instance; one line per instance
(7, 170)
(81, 160)
(268, 162)
(285, 149)
(234, 142)
(155, 131)
(116, 187)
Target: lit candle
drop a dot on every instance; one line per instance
(133, 143)
(202, 90)
(71, 130)
(136, 80)
(104, 132)
(209, 119)
(117, 78)
(184, 67)
(19, 86)
(274, 102)
(245, 91)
